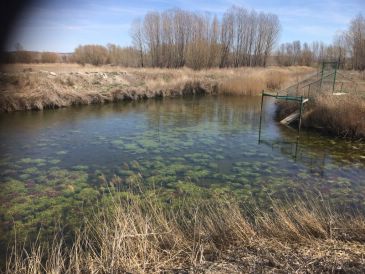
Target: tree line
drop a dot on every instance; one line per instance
(20, 55)
(177, 38)
(348, 47)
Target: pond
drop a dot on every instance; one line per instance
(54, 162)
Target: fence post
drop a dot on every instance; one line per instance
(262, 101)
(300, 114)
(334, 79)
(322, 72)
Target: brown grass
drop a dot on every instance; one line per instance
(249, 81)
(342, 116)
(25, 87)
(217, 235)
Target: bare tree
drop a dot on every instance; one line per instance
(272, 34)
(175, 38)
(137, 39)
(91, 54)
(151, 32)
(49, 57)
(226, 37)
(213, 43)
(356, 41)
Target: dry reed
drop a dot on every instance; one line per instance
(31, 87)
(342, 116)
(145, 235)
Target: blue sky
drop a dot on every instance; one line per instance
(64, 24)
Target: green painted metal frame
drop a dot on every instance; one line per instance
(284, 97)
(300, 99)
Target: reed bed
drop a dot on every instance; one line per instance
(145, 235)
(26, 87)
(342, 116)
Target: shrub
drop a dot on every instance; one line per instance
(49, 57)
(91, 54)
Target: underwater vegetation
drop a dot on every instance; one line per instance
(177, 150)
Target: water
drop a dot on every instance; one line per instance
(54, 162)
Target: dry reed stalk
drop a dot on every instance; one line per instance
(143, 235)
(339, 115)
(342, 116)
(38, 89)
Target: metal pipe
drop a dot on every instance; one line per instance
(300, 115)
(262, 101)
(334, 79)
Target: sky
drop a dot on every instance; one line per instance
(62, 25)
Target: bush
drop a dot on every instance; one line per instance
(91, 54)
(49, 57)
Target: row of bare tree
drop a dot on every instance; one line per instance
(24, 56)
(100, 55)
(348, 47)
(177, 38)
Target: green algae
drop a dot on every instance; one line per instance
(31, 170)
(87, 194)
(12, 187)
(31, 161)
(80, 167)
(118, 143)
(195, 153)
(54, 161)
(197, 173)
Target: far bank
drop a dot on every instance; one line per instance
(41, 86)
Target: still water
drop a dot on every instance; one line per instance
(55, 160)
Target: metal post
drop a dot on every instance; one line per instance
(296, 94)
(320, 85)
(296, 148)
(300, 114)
(262, 101)
(334, 79)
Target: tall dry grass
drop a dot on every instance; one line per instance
(35, 87)
(339, 115)
(147, 236)
(253, 81)
(342, 116)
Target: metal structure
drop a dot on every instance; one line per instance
(303, 91)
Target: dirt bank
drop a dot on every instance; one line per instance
(27, 87)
